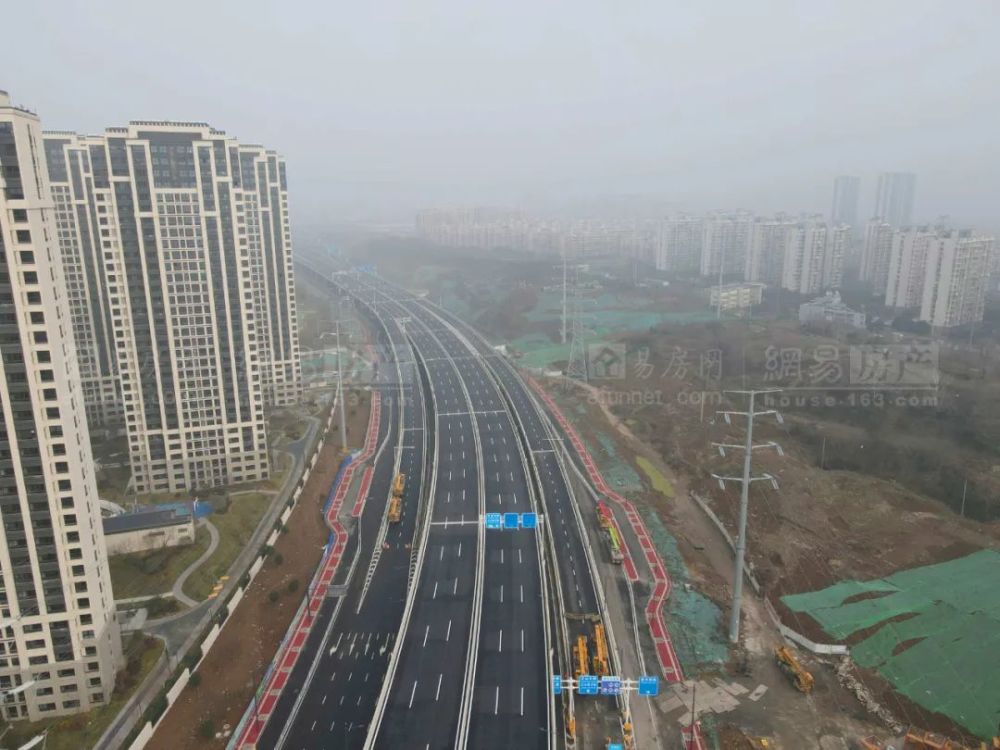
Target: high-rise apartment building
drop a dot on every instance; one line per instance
(955, 284)
(195, 250)
(845, 200)
(78, 230)
(814, 257)
(59, 638)
(894, 198)
(678, 246)
(766, 257)
(908, 266)
(876, 255)
(725, 242)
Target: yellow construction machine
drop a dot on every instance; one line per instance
(801, 678)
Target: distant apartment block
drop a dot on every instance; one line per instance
(894, 198)
(196, 254)
(679, 242)
(59, 638)
(907, 271)
(736, 296)
(845, 200)
(814, 257)
(876, 255)
(830, 310)
(955, 285)
(766, 258)
(725, 242)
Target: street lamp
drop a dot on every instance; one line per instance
(340, 388)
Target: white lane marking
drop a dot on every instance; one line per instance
(323, 702)
(496, 702)
(459, 549)
(522, 593)
(454, 589)
(522, 640)
(519, 560)
(501, 556)
(413, 692)
(313, 727)
(501, 593)
(434, 595)
(437, 693)
(522, 700)
(500, 643)
(427, 631)
(447, 635)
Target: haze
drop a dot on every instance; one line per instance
(385, 108)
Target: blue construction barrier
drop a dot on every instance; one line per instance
(336, 482)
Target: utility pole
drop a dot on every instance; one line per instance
(965, 488)
(564, 295)
(748, 448)
(722, 263)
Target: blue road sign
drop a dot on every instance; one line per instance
(557, 684)
(616, 746)
(529, 520)
(510, 520)
(494, 521)
(611, 685)
(649, 686)
(587, 684)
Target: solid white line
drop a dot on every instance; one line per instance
(413, 693)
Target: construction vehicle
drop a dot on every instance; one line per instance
(610, 533)
(580, 662)
(399, 485)
(601, 666)
(396, 503)
(918, 739)
(789, 663)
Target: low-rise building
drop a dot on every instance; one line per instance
(830, 310)
(147, 528)
(736, 296)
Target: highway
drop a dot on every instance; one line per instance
(442, 634)
(343, 664)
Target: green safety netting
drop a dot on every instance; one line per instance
(939, 640)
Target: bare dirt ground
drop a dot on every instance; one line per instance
(237, 661)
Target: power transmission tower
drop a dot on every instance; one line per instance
(576, 367)
(748, 448)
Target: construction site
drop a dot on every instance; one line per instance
(878, 551)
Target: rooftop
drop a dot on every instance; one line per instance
(151, 517)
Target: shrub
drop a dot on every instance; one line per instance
(274, 596)
(293, 585)
(278, 558)
(206, 730)
(195, 679)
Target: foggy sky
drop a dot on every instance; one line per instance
(382, 108)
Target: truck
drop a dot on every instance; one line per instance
(611, 538)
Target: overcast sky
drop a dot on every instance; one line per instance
(382, 108)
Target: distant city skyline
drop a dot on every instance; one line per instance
(384, 109)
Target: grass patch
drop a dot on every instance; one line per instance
(236, 522)
(660, 483)
(153, 572)
(83, 730)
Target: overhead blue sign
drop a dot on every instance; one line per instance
(649, 686)
(557, 684)
(615, 746)
(494, 521)
(587, 684)
(510, 520)
(529, 520)
(611, 686)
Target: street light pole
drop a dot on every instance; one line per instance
(340, 395)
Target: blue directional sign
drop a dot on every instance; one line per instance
(649, 686)
(556, 684)
(510, 520)
(616, 746)
(611, 686)
(529, 520)
(587, 684)
(494, 521)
